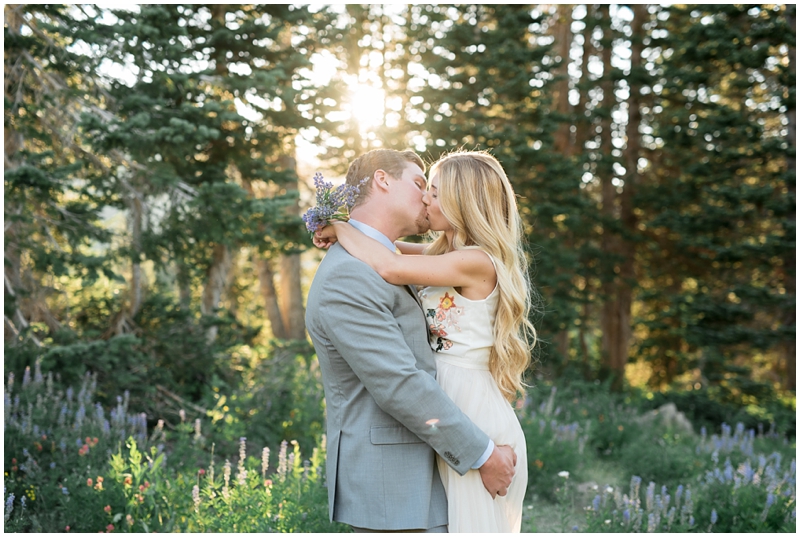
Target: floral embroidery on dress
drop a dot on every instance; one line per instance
(445, 316)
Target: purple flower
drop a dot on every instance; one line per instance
(713, 516)
(332, 203)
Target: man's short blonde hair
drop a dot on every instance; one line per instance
(389, 160)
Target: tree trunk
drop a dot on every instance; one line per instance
(136, 216)
(291, 297)
(216, 276)
(12, 143)
(291, 289)
(610, 321)
(627, 276)
(582, 125)
(184, 286)
(266, 283)
(790, 261)
(562, 33)
(359, 15)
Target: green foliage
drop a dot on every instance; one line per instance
(57, 444)
(278, 397)
(708, 407)
(559, 447)
(294, 500)
(718, 207)
(692, 473)
(68, 467)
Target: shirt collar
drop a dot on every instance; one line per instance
(373, 233)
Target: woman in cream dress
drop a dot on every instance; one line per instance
(475, 295)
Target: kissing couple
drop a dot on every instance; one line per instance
(422, 347)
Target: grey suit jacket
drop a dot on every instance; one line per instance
(386, 415)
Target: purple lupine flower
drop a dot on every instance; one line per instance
(26, 377)
(264, 462)
(241, 474)
(671, 517)
(626, 516)
(649, 498)
(635, 482)
(714, 516)
(9, 506)
(770, 500)
(227, 476)
(282, 466)
(596, 503)
(332, 203)
(196, 497)
(728, 473)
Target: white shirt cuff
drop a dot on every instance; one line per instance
(485, 456)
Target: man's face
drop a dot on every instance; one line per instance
(408, 192)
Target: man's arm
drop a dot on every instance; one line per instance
(361, 325)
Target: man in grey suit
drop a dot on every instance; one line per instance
(386, 415)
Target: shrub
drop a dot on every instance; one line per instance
(293, 500)
(57, 446)
(69, 467)
(552, 448)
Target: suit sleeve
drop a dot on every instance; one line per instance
(357, 318)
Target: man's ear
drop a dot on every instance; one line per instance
(380, 180)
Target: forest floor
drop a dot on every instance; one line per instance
(540, 515)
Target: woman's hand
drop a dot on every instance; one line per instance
(325, 238)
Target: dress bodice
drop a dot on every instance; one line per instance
(462, 330)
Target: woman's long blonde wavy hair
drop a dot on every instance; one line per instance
(476, 197)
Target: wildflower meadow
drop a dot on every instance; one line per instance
(73, 465)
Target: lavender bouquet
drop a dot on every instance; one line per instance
(332, 203)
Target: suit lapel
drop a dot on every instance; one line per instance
(413, 292)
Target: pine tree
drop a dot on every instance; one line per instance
(718, 214)
(54, 188)
(207, 126)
